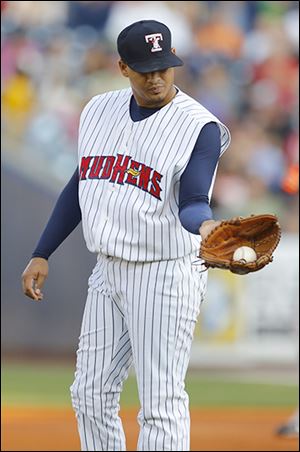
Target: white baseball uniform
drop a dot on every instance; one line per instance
(144, 293)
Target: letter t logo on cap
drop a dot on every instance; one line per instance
(154, 38)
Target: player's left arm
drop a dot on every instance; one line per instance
(194, 208)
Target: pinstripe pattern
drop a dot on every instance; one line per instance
(122, 219)
(144, 293)
(143, 313)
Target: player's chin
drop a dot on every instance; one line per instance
(156, 97)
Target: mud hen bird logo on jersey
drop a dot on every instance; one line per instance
(121, 170)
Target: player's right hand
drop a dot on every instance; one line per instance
(33, 278)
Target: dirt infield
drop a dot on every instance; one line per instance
(54, 429)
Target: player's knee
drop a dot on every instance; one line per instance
(76, 396)
(81, 395)
(88, 399)
(165, 406)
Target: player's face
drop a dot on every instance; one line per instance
(153, 89)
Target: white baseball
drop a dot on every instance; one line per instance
(244, 253)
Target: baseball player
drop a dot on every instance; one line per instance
(147, 161)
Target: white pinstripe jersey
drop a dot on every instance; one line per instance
(130, 173)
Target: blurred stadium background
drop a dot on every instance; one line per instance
(242, 63)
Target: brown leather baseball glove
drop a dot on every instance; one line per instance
(259, 232)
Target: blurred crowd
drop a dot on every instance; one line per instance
(241, 62)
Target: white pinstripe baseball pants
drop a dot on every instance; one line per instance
(143, 313)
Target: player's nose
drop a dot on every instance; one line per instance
(154, 76)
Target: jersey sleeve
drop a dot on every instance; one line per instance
(65, 217)
(197, 179)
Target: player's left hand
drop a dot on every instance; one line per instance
(207, 226)
(261, 233)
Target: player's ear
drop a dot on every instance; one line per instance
(173, 50)
(123, 68)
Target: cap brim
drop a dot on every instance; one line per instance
(156, 64)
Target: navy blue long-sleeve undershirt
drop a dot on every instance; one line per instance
(65, 217)
(195, 183)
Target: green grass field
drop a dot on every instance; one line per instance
(48, 384)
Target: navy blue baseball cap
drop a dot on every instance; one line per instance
(145, 46)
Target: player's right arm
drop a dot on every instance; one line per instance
(65, 217)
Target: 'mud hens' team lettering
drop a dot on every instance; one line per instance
(121, 170)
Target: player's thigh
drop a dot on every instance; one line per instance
(163, 315)
(104, 349)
